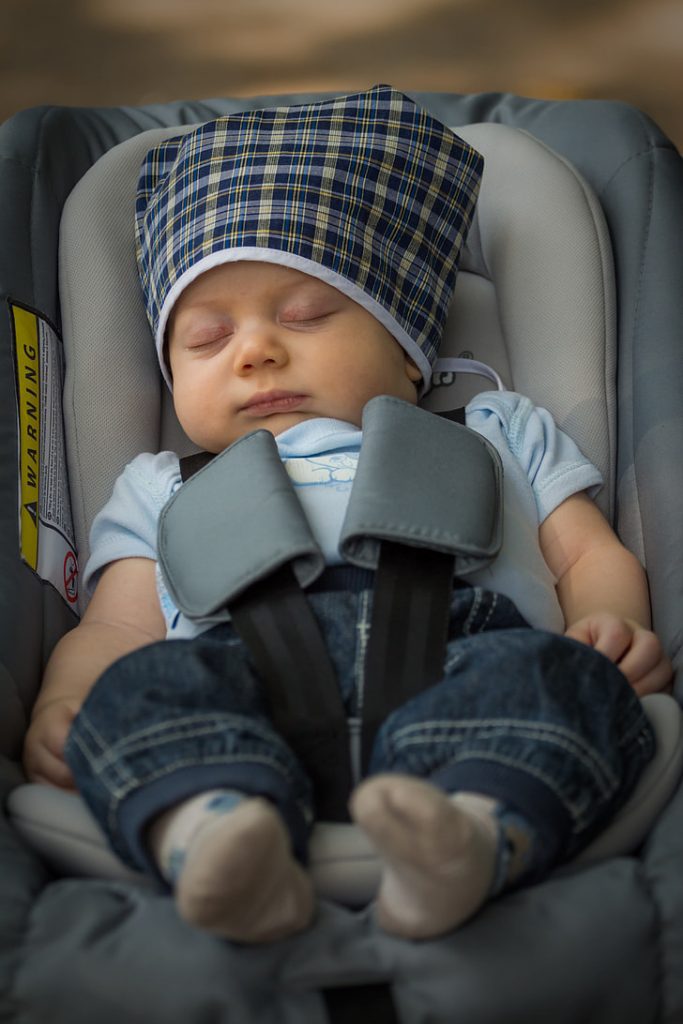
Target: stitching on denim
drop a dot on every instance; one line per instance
(85, 724)
(117, 796)
(476, 601)
(172, 736)
(638, 730)
(578, 818)
(205, 720)
(555, 736)
(453, 660)
(551, 734)
(94, 756)
(537, 735)
(494, 604)
(363, 636)
(182, 728)
(116, 775)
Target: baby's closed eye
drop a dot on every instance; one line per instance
(204, 338)
(305, 315)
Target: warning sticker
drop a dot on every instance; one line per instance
(45, 524)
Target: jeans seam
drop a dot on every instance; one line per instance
(119, 795)
(491, 610)
(605, 778)
(363, 632)
(477, 594)
(578, 818)
(453, 659)
(99, 754)
(187, 727)
(634, 732)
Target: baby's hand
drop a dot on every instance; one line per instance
(634, 649)
(44, 745)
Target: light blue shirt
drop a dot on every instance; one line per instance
(542, 467)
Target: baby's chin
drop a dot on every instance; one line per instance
(278, 423)
(292, 420)
(275, 424)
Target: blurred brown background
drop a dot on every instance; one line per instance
(112, 52)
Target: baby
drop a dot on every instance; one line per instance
(297, 263)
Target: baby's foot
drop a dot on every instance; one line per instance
(439, 853)
(240, 880)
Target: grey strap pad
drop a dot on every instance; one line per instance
(234, 522)
(423, 481)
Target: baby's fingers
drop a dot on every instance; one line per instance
(44, 746)
(645, 665)
(43, 766)
(606, 633)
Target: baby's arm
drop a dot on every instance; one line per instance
(603, 592)
(123, 615)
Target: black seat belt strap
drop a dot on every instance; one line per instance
(408, 631)
(456, 415)
(276, 622)
(358, 1004)
(191, 464)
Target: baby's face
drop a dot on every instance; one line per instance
(257, 345)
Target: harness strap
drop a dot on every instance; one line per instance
(454, 415)
(408, 632)
(191, 464)
(350, 1004)
(281, 633)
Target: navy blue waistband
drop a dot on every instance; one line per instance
(354, 579)
(343, 577)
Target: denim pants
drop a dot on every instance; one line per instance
(546, 725)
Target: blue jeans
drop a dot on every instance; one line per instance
(544, 724)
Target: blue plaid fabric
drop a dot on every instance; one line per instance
(368, 192)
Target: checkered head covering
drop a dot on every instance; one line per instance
(368, 193)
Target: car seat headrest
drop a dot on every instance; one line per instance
(534, 298)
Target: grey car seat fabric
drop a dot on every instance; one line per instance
(78, 950)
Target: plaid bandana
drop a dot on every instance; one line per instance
(367, 192)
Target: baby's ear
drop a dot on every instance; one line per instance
(412, 369)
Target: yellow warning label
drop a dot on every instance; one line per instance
(28, 385)
(46, 534)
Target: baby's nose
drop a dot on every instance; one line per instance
(260, 346)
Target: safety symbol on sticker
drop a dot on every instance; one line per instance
(71, 577)
(46, 536)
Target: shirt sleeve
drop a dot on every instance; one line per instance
(552, 462)
(127, 525)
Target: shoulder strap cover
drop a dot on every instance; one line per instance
(234, 522)
(426, 482)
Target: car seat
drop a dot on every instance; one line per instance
(536, 298)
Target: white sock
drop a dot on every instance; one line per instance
(172, 832)
(229, 858)
(439, 852)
